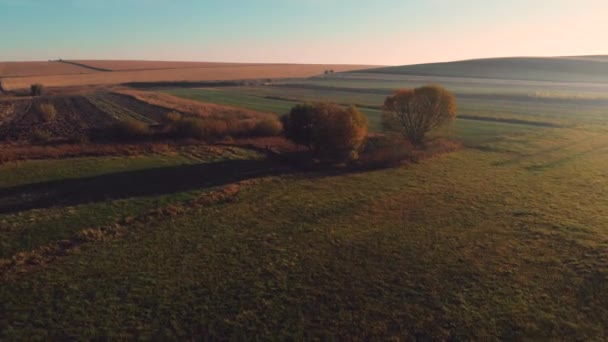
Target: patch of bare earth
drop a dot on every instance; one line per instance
(63, 117)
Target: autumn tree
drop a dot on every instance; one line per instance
(415, 112)
(328, 130)
(37, 89)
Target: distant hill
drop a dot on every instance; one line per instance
(556, 69)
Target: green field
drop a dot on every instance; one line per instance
(566, 104)
(503, 241)
(555, 69)
(506, 239)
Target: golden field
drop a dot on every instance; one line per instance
(209, 72)
(17, 69)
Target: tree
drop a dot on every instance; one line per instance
(299, 125)
(327, 130)
(37, 89)
(415, 112)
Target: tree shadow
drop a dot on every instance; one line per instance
(140, 183)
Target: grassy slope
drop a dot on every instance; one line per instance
(522, 68)
(255, 99)
(502, 242)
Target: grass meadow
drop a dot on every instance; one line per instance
(504, 239)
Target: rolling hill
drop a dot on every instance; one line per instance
(20, 75)
(592, 69)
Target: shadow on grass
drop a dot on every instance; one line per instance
(168, 180)
(149, 182)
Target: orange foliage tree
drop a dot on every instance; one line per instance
(328, 130)
(415, 112)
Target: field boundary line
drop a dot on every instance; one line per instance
(84, 66)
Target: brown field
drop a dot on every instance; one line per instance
(251, 71)
(74, 116)
(18, 69)
(152, 65)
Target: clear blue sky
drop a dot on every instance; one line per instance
(301, 31)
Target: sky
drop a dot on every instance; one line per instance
(375, 32)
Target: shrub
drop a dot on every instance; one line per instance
(386, 151)
(328, 130)
(40, 136)
(47, 112)
(37, 89)
(268, 127)
(127, 131)
(171, 117)
(199, 128)
(415, 112)
(212, 128)
(300, 124)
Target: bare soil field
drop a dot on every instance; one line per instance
(21, 69)
(220, 73)
(150, 111)
(65, 117)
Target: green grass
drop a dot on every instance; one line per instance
(503, 240)
(33, 171)
(255, 98)
(554, 69)
(233, 99)
(480, 244)
(551, 103)
(27, 229)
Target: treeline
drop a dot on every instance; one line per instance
(174, 125)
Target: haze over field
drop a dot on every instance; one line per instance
(304, 170)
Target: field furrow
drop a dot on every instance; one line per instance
(118, 112)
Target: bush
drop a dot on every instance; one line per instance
(211, 128)
(40, 136)
(386, 151)
(199, 128)
(47, 112)
(268, 128)
(300, 124)
(171, 117)
(37, 89)
(328, 130)
(127, 131)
